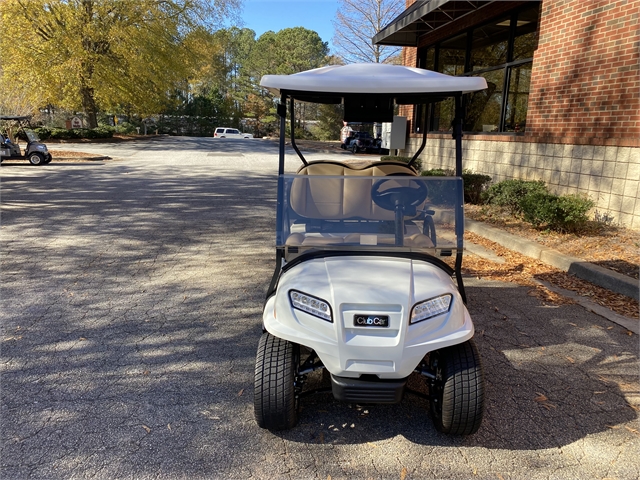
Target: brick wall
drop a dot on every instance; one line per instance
(585, 86)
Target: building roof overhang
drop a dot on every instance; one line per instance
(425, 16)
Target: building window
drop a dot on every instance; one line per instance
(501, 51)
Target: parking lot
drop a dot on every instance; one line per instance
(132, 292)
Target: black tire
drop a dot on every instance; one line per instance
(48, 159)
(457, 394)
(354, 148)
(274, 397)
(36, 158)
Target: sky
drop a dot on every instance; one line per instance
(264, 15)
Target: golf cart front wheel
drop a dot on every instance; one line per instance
(36, 158)
(274, 398)
(457, 393)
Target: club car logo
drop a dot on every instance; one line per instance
(371, 320)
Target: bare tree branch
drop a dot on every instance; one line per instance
(357, 21)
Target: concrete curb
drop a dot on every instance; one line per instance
(630, 324)
(595, 274)
(84, 159)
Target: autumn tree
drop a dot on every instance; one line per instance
(91, 54)
(357, 21)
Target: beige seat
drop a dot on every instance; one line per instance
(344, 198)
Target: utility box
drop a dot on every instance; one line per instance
(394, 135)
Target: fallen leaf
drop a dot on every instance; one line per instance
(403, 473)
(148, 430)
(169, 426)
(632, 430)
(241, 392)
(613, 427)
(372, 445)
(541, 398)
(571, 360)
(146, 372)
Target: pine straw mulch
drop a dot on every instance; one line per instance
(524, 270)
(610, 247)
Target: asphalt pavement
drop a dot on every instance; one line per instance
(131, 299)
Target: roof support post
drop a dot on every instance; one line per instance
(282, 112)
(457, 135)
(425, 116)
(293, 137)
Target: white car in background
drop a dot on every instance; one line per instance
(224, 132)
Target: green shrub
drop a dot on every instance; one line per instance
(390, 158)
(99, 132)
(510, 193)
(126, 128)
(42, 132)
(474, 183)
(64, 134)
(438, 172)
(565, 214)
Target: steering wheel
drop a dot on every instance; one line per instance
(405, 197)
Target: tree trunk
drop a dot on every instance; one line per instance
(89, 105)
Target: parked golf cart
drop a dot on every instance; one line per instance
(35, 151)
(360, 288)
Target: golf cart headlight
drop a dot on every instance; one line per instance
(42, 147)
(312, 305)
(430, 308)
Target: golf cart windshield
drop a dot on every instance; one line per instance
(393, 213)
(31, 135)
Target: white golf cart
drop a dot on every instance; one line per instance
(359, 287)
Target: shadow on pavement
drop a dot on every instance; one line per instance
(541, 393)
(131, 314)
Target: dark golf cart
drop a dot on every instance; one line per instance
(35, 151)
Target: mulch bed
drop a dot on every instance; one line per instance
(524, 271)
(611, 247)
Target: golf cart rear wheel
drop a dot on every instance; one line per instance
(274, 398)
(457, 393)
(36, 158)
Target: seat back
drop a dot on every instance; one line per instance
(341, 198)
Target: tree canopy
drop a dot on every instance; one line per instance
(146, 57)
(90, 54)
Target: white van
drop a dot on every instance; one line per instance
(224, 132)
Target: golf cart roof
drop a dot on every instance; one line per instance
(371, 79)
(15, 118)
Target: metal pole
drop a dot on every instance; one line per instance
(293, 137)
(457, 135)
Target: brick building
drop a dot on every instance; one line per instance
(563, 103)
